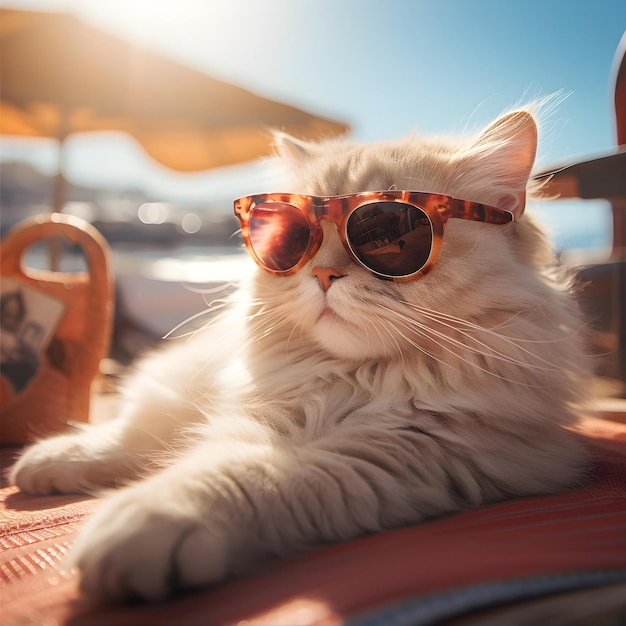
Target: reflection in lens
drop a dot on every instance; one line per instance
(279, 234)
(390, 238)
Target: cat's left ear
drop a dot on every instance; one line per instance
(291, 149)
(503, 155)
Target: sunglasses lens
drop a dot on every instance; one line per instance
(390, 238)
(279, 234)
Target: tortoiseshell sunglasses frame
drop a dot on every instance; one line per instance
(438, 208)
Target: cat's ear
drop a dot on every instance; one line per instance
(290, 148)
(503, 155)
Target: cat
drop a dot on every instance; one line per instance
(328, 404)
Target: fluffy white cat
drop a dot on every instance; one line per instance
(328, 404)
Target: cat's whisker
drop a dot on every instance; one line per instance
(490, 352)
(486, 329)
(413, 343)
(435, 316)
(431, 335)
(268, 318)
(472, 363)
(424, 350)
(209, 290)
(399, 352)
(375, 325)
(289, 338)
(259, 308)
(211, 310)
(371, 324)
(453, 318)
(268, 326)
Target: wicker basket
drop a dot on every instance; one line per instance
(56, 327)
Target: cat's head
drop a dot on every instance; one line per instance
(484, 272)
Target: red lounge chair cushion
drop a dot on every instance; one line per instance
(468, 561)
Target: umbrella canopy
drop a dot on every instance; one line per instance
(61, 76)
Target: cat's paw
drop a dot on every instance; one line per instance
(73, 463)
(143, 544)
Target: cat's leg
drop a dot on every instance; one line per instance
(171, 391)
(156, 409)
(225, 506)
(245, 494)
(99, 455)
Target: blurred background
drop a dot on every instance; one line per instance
(147, 117)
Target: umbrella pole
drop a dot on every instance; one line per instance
(60, 184)
(58, 200)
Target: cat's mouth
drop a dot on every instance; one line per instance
(328, 313)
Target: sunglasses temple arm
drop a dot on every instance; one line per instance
(477, 212)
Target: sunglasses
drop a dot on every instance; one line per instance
(396, 235)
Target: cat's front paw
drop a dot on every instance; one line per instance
(143, 544)
(79, 462)
(55, 465)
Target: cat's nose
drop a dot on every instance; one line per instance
(326, 276)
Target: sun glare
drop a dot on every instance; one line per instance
(202, 32)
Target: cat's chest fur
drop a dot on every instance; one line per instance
(319, 394)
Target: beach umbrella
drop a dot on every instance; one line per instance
(59, 75)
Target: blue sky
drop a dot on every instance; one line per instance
(386, 67)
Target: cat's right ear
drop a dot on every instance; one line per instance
(502, 158)
(290, 148)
